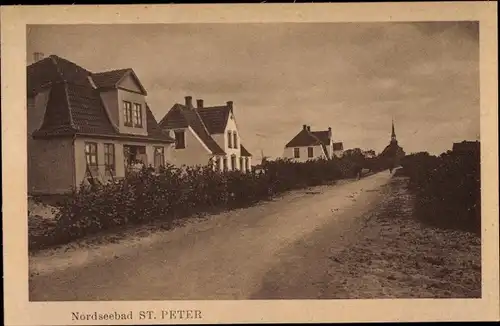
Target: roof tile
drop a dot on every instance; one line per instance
(109, 78)
(215, 118)
(74, 105)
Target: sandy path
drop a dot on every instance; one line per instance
(226, 256)
(387, 253)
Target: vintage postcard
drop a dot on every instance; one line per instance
(250, 163)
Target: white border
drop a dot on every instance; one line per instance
(18, 311)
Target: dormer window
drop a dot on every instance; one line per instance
(127, 114)
(137, 115)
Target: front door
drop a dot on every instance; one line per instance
(133, 154)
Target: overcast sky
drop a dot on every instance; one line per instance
(353, 77)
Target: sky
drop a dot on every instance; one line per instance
(352, 77)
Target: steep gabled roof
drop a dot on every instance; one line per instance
(244, 151)
(323, 136)
(53, 69)
(180, 116)
(111, 79)
(194, 120)
(74, 105)
(215, 118)
(174, 118)
(304, 138)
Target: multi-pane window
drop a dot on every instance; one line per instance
(242, 165)
(180, 141)
(137, 115)
(159, 157)
(235, 140)
(225, 163)
(109, 159)
(310, 152)
(91, 156)
(296, 152)
(127, 114)
(229, 140)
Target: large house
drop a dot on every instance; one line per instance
(86, 126)
(309, 145)
(206, 135)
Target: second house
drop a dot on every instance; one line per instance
(206, 135)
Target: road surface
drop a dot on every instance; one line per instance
(251, 253)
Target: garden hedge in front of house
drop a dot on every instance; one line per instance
(176, 193)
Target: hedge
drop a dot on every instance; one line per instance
(447, 188)
(179, 192)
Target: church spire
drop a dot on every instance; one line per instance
(393, 134)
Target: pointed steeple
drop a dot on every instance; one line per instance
(393, 134)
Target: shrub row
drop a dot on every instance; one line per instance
(447, 188)
(175, 193)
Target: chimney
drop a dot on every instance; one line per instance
(199, 104)
(308, 128)
(304, 127)
(330, 132)
(189, 101)
(230, 105)
(37, 56)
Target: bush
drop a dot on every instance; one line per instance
(447, 188)
(175, 193)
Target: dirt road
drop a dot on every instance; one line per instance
(226, 256)
(355, 239)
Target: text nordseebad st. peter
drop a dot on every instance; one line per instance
(141, 315)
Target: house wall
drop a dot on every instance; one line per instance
(194, 153)
(317, 153)
(50, 168)
(231, 126)
(80, 163)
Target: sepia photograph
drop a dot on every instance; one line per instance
(252, 161)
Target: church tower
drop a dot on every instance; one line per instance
(393, 134)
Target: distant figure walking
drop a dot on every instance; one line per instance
(358, 170)
(390, 169)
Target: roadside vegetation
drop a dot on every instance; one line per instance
(447, 189)
(179, 192)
